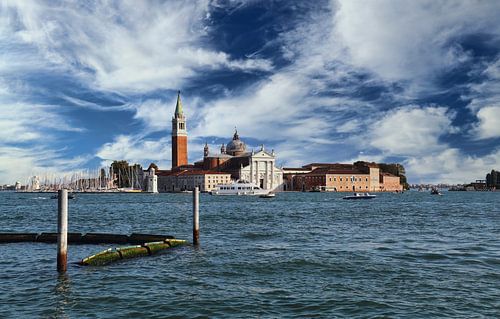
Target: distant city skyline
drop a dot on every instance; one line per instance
(413, 82)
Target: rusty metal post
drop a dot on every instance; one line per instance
(196, 216)
(62, 230)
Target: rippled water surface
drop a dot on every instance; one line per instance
(297, 255)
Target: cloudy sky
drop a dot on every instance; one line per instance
(83, 83)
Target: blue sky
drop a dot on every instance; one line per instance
(83, 83)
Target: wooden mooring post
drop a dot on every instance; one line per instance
(196, 216)
(62, 230)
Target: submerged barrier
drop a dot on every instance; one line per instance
(78, 238)
(154, 243)
(115, 254)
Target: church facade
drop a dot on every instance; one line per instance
(250, 166)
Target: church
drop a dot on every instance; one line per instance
(233, 162)
(258, 167)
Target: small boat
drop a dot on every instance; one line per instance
(269, 195)
(435, 191)
(239, 188)
(360, 196)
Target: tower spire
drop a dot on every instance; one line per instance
(179, 135)
(178, 106)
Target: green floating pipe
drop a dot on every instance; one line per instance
(114, 254)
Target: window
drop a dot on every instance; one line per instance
(341, 179)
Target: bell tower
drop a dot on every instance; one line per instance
(179, 135)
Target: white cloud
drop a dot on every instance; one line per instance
(410, 40)
(135, 149)
(489, 122)
(275, 108)
(22, 122)
(20, 163)
(155, 114)
(411, 130)
(126, 46)
(26, 134)
(451, 166)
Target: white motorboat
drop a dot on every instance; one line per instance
(360, 196)
(239, 188)
(268, 195)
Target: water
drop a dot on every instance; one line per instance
(298, 255)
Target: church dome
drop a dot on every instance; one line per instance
(236, 146)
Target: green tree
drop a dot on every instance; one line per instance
(121, 170)
(494, 178)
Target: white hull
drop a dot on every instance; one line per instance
(239, 189)
(239, 193)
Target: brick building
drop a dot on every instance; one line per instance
(358, 177)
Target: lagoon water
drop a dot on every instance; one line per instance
(408, 255)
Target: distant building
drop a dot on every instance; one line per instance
(151, 181)
(359, 177)
(478, 185)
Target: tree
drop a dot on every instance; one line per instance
(120, 169)
(494, 178)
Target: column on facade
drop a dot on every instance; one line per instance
(272, 175)
(251, 170)
(257, 177)
(266, 177)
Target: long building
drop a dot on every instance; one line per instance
(358, 177)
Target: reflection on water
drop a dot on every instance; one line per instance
(62, 293)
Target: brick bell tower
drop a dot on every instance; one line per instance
(179, 136)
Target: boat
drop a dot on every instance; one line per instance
(435, 191)
(360, 196)
(268, 195)
(239, 188)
